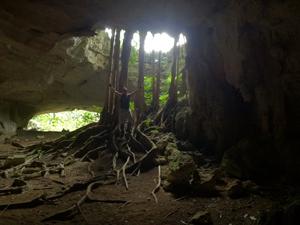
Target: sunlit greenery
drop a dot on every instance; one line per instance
(164, 89)
(69, 120)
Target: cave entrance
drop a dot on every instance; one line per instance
(63, 121)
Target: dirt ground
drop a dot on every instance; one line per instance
(121, 206)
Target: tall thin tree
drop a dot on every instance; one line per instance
(172, 99)
(139, 100)
(115, 70)
(105, 111)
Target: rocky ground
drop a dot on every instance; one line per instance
(212, 197)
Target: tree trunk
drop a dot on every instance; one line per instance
(157, 88)
(115, 70)
(122, 80)
(153, 78)
(139, 100)
(125, 59)
(105, 111)
(172, 99)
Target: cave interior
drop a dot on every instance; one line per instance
(241, 113)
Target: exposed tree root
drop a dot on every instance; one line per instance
(124, 174)
(30, 204)
(157, 186)
(86, 144)
(75, 208)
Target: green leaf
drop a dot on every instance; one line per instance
(154, 131)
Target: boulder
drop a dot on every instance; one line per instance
(178, 171)
(245, 160)
(203, 183)
(235, 189)
(18, 183)
(14, 161)
(201, 218)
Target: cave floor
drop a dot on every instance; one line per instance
(140, 206)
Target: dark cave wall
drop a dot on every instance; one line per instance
(243, 75)
(218, 108)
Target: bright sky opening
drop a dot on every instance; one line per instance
(160, 42)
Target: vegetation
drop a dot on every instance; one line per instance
(163, 90)
(69, 120)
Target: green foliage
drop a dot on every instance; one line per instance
(163, 98)
(133, 55)
(154, 131)
(40, 151)
(147, 123)
(69, 120)
(131, 105)
(148, 89)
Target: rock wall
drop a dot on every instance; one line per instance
(243, 75)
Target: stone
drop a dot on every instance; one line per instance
(161, 145)
(244, 160)
(197, 157)
(201, 218)
(14, 161)
(203, 183)
(235, 189)
(250, 186)
(30, 170)
(171, 148)
(37, 163)
(160, 160)
(18, 183)
(178, 171)
(181, 168)
(186, 146)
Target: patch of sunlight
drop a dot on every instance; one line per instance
(159, 42)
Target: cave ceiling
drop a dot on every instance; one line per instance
(44, 66)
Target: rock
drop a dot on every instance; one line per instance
(180, 168)
(16, 144)
(161, 160)
(235, 189)
(287, 214)
(14, 160)
(197, 157)
(30, 170)
(203, 182)
(201, 218)
(37, 163)
(245, 160)
(171, 148)
(161, 145)
(18, 183)
(218, 173)
(186, 146)
(250, 186)
(164, 172)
